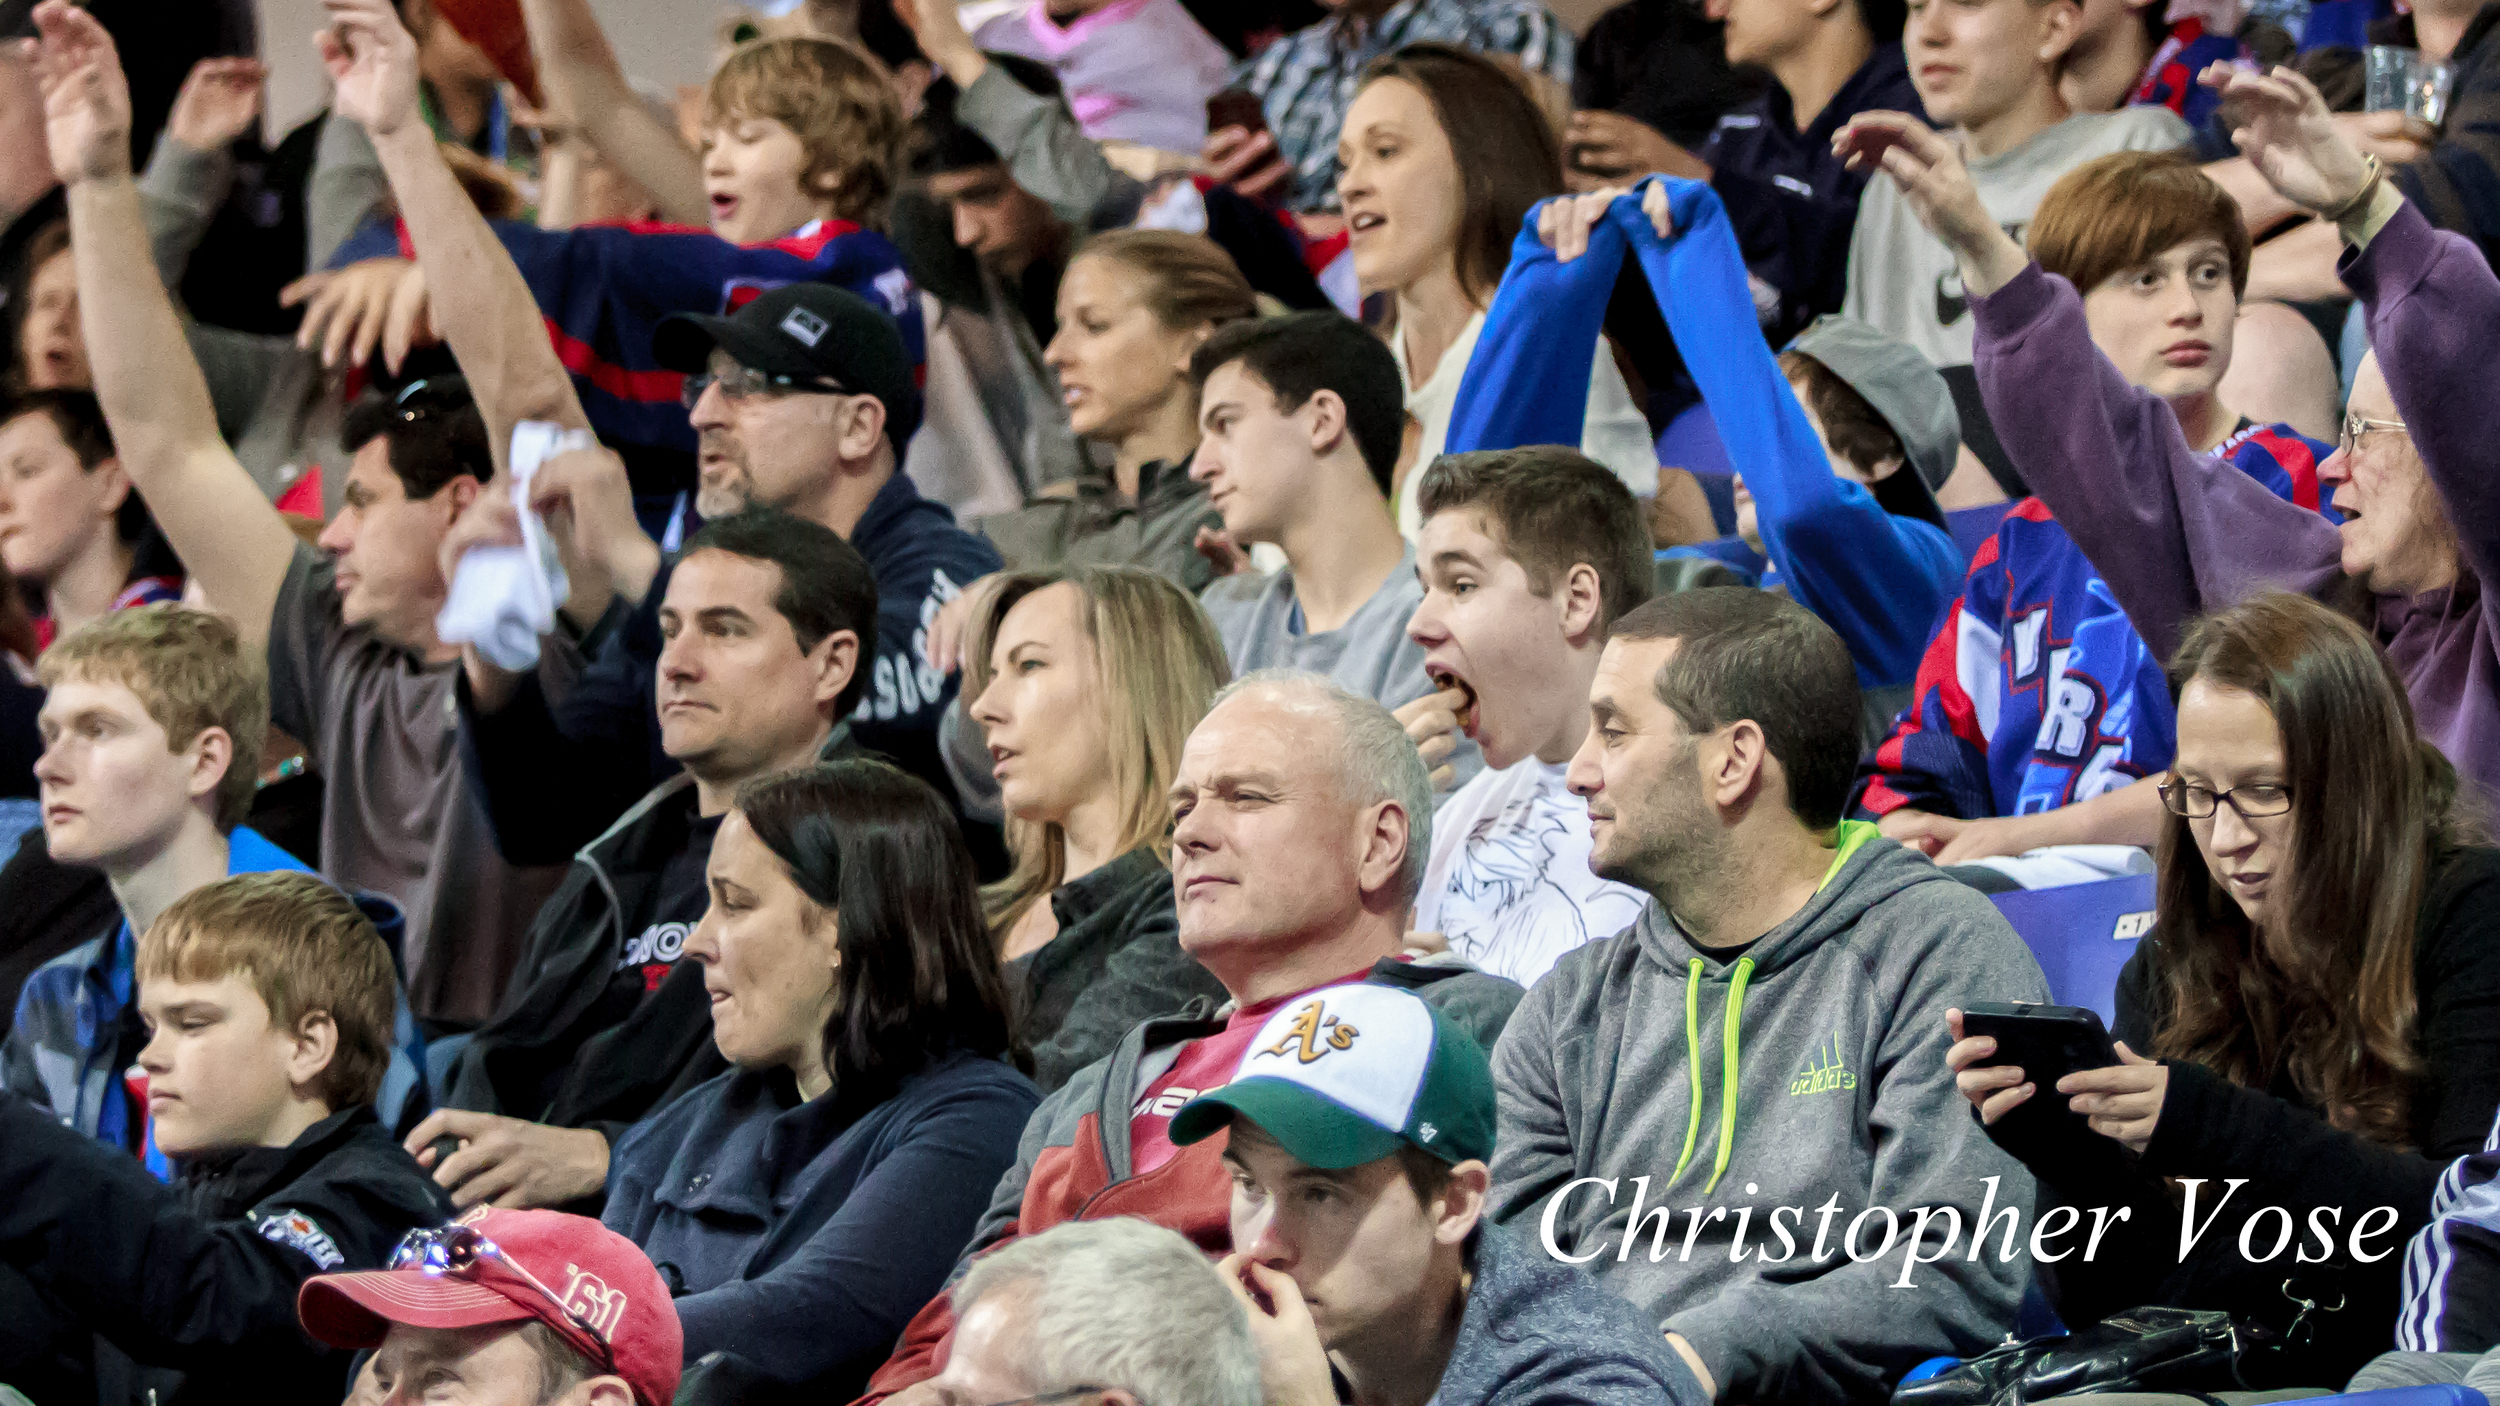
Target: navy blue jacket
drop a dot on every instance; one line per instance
(802, 1238)
(555, 775)
(1792, 202)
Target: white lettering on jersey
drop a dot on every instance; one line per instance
(2028, 632)
(660, 942)
(1165, 1104)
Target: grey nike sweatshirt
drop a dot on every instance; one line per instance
(1750, 1112)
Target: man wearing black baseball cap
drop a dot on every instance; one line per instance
(801, 400)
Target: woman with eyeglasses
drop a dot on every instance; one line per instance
(805, 1204)
(2315, 1014)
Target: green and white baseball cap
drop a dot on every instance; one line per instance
(1344, 1075)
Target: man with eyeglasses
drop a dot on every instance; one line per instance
(803, 401)
(2417, 552)
(506, 1308)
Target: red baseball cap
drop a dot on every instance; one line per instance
(593, 1287)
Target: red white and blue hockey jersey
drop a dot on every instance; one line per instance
(604, 288)
(2036, 692)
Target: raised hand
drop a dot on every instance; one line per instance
(1929, 171)
(86, 100)
(218, 103)
(372, 63)
(2281, 125)
(1565, 221)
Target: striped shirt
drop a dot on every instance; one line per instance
(2452, 1269)
(1307, 79)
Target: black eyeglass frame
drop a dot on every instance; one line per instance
(2176, 794)
(764, 382)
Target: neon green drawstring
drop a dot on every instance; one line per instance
(1727, 1071)
(1727, 1067)
(1692, 1064)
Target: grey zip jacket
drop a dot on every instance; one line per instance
(1728, 1104)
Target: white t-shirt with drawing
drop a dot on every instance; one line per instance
(1508, 883)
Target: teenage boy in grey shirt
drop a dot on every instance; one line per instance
(1302, 418)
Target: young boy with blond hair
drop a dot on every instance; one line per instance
(152, 732)
(267, 1004)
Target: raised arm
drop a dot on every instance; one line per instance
(586, 83)
(1876, 578)
(164, 426)
(2429, 296)
(2172, 531)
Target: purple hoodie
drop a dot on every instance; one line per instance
(2177, 533)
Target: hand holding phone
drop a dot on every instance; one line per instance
(2033, 1047)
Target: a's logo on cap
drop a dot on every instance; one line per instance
(1313, 1033)
(806, 326)
(601, 1307)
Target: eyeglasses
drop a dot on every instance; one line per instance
(2250, 802)
(745, 382)
(463, 1252)
(2355, 427)
(1054, 1397)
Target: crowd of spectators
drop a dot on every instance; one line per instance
(1184, 703)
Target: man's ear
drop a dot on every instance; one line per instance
(1324, 415)
(211, 753)
(863, 427)
(600, 1391)
(2059, 23)
(115, 485)
(1386, 834)
(1583, 605)
(463, 489)
(836, 659)
(1460, 1206)
(316, 1038)
(1736, 763)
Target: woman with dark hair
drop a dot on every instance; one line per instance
(805, 1204)
(1442, 154)
(2320, 998)
(71, 528)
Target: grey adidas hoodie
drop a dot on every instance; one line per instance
(1752, 1094)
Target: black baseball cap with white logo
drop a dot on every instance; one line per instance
(812, 333)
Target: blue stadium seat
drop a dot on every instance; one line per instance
(2405, 1396)
(2082, 934)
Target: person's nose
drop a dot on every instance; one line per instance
(339, 537)
(990, 709)
(680, 658)
(1266, 1242)
(967, 228)
(1061, 353)
(1424, 627)
(2231, 834)
(1584, 777)
(156, 1056)
(711, 409)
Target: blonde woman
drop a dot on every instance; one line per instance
(1085, 683)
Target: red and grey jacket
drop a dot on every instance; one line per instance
(1074, 1161)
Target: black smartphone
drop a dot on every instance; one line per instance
(1236, 107)
(2046, 1042)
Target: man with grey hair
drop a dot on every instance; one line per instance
(1122, 1306)
(1301, 815)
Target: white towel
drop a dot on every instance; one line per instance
(503, 598)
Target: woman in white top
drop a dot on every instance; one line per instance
(1442, 154)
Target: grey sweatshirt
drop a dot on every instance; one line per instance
(1537, 1333)
(1733, 1102)
(1368, 656)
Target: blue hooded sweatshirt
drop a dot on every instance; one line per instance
(66, 1039)
(1877, 579)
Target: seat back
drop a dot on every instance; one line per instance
(2082, 934)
